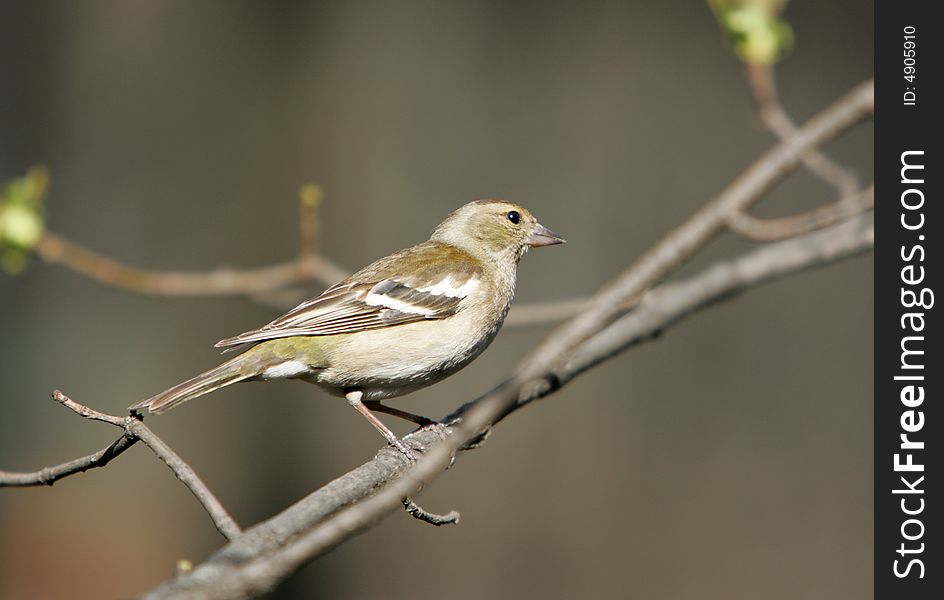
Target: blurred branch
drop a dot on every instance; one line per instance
(765, 230)
(219, 282)
(134, 429)
(267, 553)
(23, 230)
(775, 118)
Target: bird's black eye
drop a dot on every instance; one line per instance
(514, 217)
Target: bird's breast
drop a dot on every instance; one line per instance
(394, 361)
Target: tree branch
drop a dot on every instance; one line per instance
(221, 282)
(51, 475)
(418, 512)
(308, 266)
(765, 230)
(221, 518)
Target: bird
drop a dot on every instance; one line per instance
(404, 322)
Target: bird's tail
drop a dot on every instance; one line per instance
(231, 371)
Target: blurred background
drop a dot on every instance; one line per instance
(731, 458)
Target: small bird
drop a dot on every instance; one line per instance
(400, 324)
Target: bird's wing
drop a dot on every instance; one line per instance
(425, 282)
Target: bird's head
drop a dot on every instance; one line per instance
(495, 229)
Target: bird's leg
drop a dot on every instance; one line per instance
(420, 420)
(354, 399)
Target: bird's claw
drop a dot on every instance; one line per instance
(406, 450)
(437, 427)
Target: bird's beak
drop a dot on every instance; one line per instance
(542, 236)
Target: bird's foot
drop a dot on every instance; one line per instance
(440, 429)
(406, 450)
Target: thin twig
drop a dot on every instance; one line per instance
(418, 512)
(220, 282)
(766, 230)
(221, 518)
(771, 112)
(85, 411)
(51, 475)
